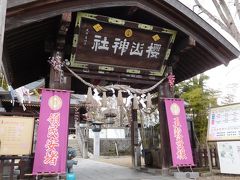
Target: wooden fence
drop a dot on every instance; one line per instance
(12, 167)
(201, 156)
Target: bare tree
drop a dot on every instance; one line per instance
(228, 99)
(225, 19)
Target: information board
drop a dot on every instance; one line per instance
(229, 155)
(224, 123)
(16, 135)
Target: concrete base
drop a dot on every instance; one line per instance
(8, 177)
(190, 175)
(165, 171)
(154, 171)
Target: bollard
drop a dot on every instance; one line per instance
(71, 176)
(70, 162)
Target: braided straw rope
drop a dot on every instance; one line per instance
(116, 86)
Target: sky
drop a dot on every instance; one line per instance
(222, 78)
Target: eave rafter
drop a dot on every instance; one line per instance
(193, 28)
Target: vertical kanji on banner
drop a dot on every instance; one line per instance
(51, 147)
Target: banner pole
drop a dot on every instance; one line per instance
(52, 136)
(208, 149)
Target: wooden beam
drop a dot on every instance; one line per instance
(184, 45)
(56, 77)
(65, 23)
(132, 10)
(116, 77)
(14, 3)
(40, 10)
(18, 113)
(180, 17)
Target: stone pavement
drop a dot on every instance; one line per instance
(88, 169)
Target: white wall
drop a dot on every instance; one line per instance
(109, 133)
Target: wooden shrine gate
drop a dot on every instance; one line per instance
(138, 43)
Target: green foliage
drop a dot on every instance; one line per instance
(3, 82)
(199, 98)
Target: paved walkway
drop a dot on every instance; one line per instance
(88, 169)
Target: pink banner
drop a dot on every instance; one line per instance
(52, 135)
(178, 132)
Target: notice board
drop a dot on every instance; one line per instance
(16, 134)
(224, 123)
(229, 155)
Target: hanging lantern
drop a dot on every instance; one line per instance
(110, 114)
(149, 101)
(96, 126)
(119, 98)
(135, 102)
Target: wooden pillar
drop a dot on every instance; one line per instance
(1, 167)
(121, 116)
(55, 76)
(134, 135)
(85, 142)
(3, 7)
(12, 168)
(57, 79)
(164, 91)
(58, 82)
(67, 80)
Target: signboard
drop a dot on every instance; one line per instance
(229, 156)
(110, 44)
(16, 134)
(178, 133)
(52, 135)
(109, 134)
(224, 123)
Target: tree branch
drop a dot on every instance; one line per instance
(231, 24)
(222, 25)
(220, 12)
(237, 4)
(226, 23)
(226, 11)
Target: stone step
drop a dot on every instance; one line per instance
(74, 144)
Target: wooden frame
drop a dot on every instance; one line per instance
(99, 43)
(16, 135)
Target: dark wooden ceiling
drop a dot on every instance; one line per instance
(31, 30)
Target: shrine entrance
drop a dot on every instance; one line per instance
(120, 60)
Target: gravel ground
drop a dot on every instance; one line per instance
(220, 177)
(126, 161)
